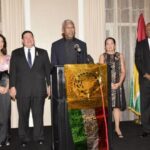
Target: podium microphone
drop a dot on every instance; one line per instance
(77, 48)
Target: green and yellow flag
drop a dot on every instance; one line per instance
(134, 104)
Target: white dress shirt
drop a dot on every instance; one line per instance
(32, 51)
(149, 42)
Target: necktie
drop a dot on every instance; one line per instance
(29, 58)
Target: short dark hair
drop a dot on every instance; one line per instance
(27, 31)
(110, 38)
(4, 49)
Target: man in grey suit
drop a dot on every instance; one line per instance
(30, 85)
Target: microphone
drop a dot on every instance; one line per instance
(77, 48)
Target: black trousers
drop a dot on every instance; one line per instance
(5, 109)
(145, 104)
(36, 104)
(61, 129)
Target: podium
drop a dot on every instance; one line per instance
(60, 125)
(64, 108)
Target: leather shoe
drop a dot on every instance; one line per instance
(41, 142)
(7, 142)
(2, 144)
(144, 134)
(24, 144)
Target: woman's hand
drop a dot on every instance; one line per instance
(115, 86)
(147, 76)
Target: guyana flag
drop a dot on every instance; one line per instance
(134, 104)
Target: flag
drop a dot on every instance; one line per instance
(134, 103)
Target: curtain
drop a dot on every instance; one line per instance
(121, 23)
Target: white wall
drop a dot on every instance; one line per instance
(47, 17)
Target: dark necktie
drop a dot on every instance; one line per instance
(29, 58)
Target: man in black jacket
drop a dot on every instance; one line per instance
(67, 50)
(142, 60)
(30, 85)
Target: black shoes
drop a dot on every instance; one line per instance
(24, 144)
(120, 136)
(41, 142)
(5, 143)
(144, 134)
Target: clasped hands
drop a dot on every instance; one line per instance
(115, 86)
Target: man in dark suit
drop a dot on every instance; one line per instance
(30, 85)
(67, 50)
(142, 60)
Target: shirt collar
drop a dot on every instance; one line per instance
(32, 48)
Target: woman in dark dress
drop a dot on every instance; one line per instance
(117, 66)
(5, 101)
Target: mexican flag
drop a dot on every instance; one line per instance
(87, 100)
(134, 103)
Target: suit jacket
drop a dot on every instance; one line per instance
(142, 57)
(58, 52)
(30, 81)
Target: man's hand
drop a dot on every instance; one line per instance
(13, 92)
(147, 76)
(48, 91)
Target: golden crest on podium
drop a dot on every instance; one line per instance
(83, 83)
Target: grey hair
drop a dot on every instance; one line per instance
(65, 22)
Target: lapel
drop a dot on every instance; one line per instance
(36, 57)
